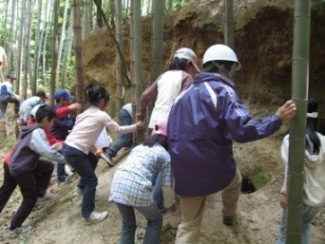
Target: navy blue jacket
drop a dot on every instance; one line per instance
(23, 158)
(202, 124)
(32, 144)
(62, 126)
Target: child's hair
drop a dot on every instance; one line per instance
(179, 64)
(95, 93)
(158, 136)
(311, 126)
(157, 139)
(45, 111)
(182, 58)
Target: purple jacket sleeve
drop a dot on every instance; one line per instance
(240, 126)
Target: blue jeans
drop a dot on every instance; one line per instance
(60, 172)
(129, 224)
(85, 166)
(309, 213)
(157, 191)
(124, 140)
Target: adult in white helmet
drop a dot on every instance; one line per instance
(222, 58)
(168, 86)
(202, 124)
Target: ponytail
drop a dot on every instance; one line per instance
(95, 93)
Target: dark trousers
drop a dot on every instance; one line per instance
(84, 165)
(60, 172)
(4, 102)
(8, 186)
(124, 140)
(32, 185)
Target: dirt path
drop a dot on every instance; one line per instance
(59, 221)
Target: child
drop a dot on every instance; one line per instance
(125, 116)
(9, 184)
(26, 169)
(168, 86)
(132, 186)
(27, 106)
(8, 96)
(32, 121)
(63, 124)
(77, 147)
(314, 185)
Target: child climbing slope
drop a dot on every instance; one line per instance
(77, 147)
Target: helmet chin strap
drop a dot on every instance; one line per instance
(230, 73)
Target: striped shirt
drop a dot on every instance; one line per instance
(132, 181)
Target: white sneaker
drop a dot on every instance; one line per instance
(108, 159)
(37, 206)
(68, 170)
(18, 231)
(96, 217)
(45, 198)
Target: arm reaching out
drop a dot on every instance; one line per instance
(40, 144)
(286, 112)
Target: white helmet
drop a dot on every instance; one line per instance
(219, 52)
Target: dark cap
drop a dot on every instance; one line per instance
(41, 94)
(63, 93)
(11, 77)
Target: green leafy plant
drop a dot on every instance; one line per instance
(259, 179)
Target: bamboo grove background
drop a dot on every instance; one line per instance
(43, 39)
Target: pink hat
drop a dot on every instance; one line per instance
(160, 129)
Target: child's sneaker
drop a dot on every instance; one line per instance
(108, 159)
(45, 198)
(66, 180)
(77, 192)
(231, 220)
(17, 231)
(96, 217)
(37, 206)
(68, 170)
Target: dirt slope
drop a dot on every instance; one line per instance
(59, 221)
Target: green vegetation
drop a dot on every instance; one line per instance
(259, 179)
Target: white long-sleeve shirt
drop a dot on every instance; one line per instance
(167, 87)
(27, 106)
(314, 185)
(88, 127)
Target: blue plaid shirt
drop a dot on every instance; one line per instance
(132, 181)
